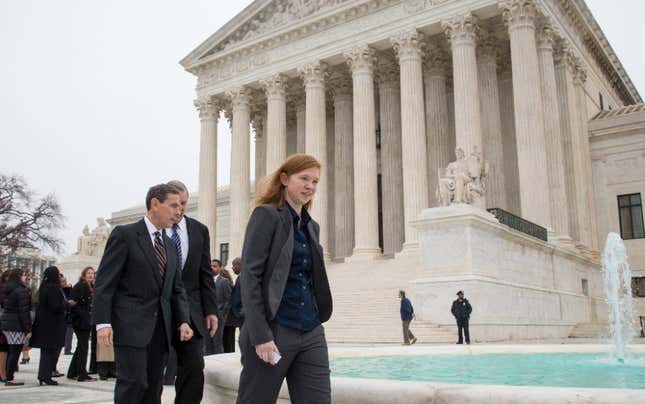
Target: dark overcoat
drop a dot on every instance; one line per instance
(49, 326)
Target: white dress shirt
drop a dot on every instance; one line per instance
(182, 230)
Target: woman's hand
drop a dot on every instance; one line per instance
(267, 352)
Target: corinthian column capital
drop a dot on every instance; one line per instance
(519, 13)
(580, 75)
(239, 97)
(313, 74)
(563, 55)
(487, 48)
(436, 60)
(408, 45)
(461, 29)
(547, 34)
(361, 59)
(208, 107)
(275, 86)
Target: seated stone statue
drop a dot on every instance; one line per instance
(463, 181)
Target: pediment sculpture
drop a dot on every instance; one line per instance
(277, 14)
(464, 180)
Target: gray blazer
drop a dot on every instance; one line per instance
(266, 260)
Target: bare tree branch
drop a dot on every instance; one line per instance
(25, 223)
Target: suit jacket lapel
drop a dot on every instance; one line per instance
(148, 250)
(173, 261)
(193, 243)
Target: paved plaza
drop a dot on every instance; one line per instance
(101, 392)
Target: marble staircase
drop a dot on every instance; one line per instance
(366, 304)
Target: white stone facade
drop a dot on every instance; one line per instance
(382, 92)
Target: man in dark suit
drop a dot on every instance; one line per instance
(192, 241)
(235, 317)
(223, 299)
(139, 299)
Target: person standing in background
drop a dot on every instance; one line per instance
(49, 325)
(16, 320)
(407, 314)
(235, 317)
(81, 313)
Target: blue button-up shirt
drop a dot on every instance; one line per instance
(298, 309)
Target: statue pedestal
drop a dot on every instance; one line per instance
(520, 287)
(72, 266)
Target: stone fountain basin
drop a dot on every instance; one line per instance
(222, 377)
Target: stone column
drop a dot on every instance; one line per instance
(313, 75)
(343, 170)
(300, 123)
(493, 151)
(259, 124)
(555, 165)
(240, 170)
(565, 70)
(521, 15)
(407, 46)
(207, 206)
(509, 144)
(437, 120)
(462, 31)
(276, 131)
(590, 233)
(366, 246)
(391, 158)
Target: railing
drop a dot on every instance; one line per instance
(519, 224)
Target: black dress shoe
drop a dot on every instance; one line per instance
(103, 377)
(86, 379)
(13, 383)
(56, 373)
(48, 382)
(24, 361)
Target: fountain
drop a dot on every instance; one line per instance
(618, 293)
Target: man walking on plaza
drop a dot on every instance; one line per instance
(223, 298)
(461, 309)
(407, 314)
(235, 317)
(192, 242)
(139, 301)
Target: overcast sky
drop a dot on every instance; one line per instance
(95, 107)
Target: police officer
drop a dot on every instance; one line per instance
(461, 309)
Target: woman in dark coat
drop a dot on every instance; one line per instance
(81, 296)
(285, 292)
(16, 320)
(49, 325)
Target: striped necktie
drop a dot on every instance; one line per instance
(175, 239)
(160, 253)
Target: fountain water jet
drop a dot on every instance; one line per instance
(617, 283)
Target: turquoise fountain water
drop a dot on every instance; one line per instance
(594, 370)
(617, 282)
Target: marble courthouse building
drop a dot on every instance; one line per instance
(383, 92)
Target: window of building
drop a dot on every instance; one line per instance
(585, 287)
(223, 253)
(601, 101)
(630, 210)
(638, 286)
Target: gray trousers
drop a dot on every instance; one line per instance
(304, 363)
(407, 334)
